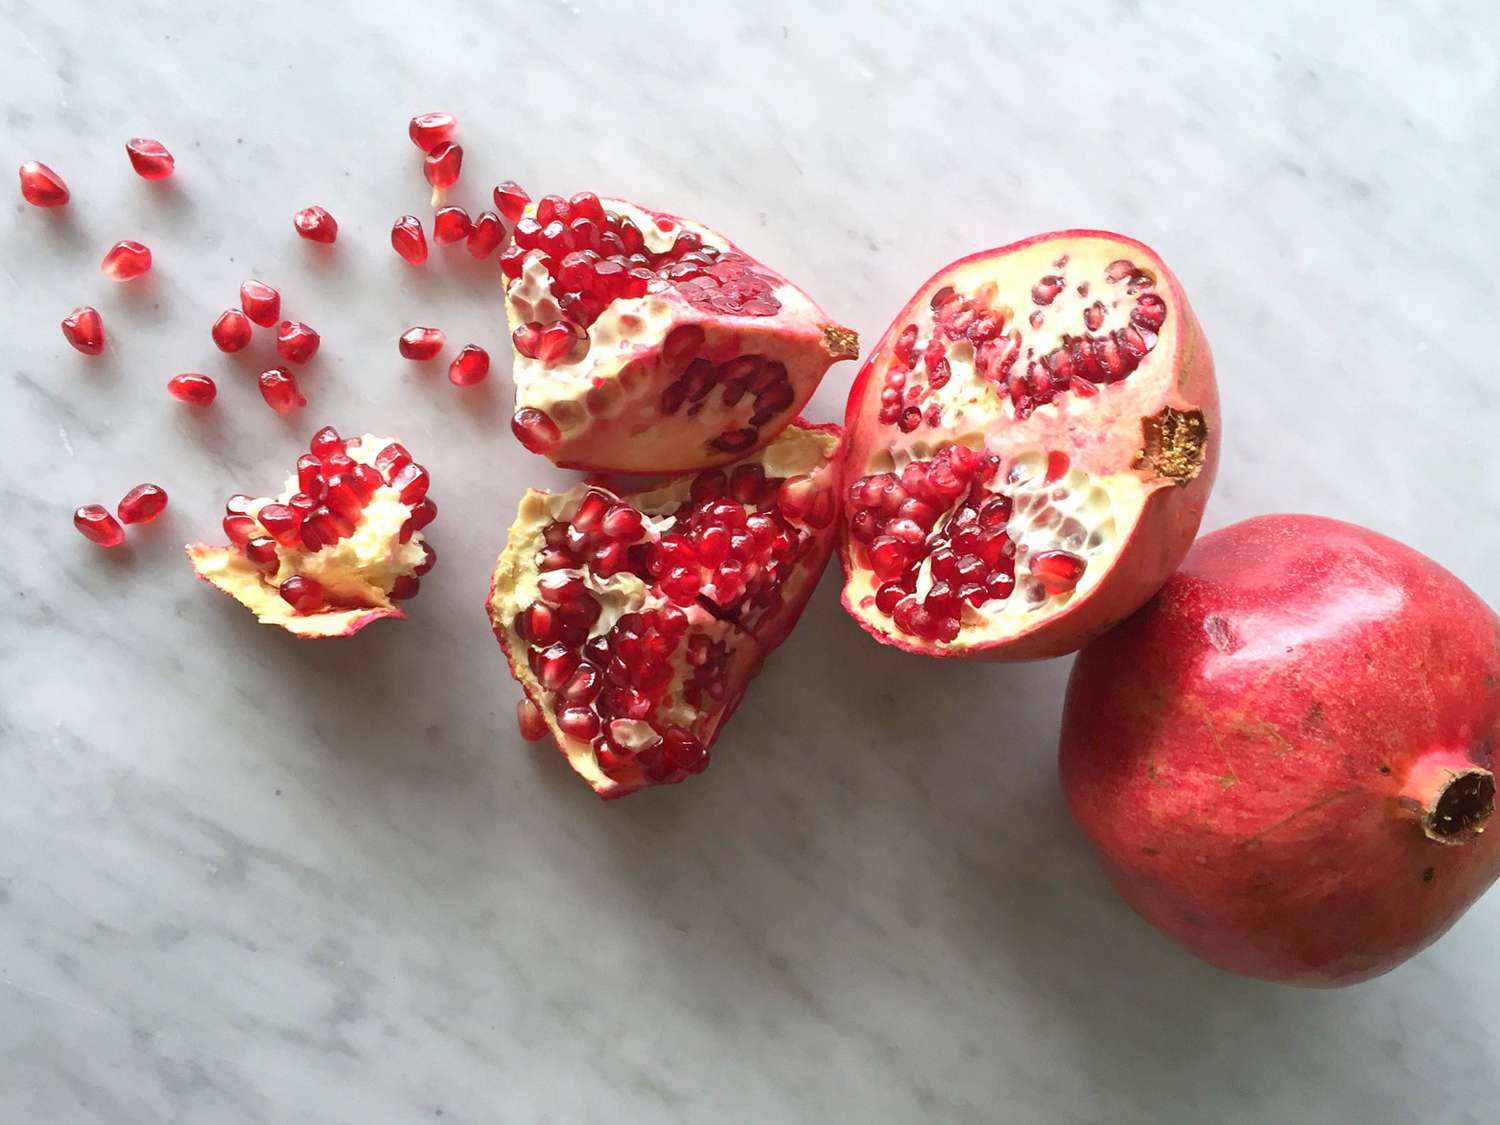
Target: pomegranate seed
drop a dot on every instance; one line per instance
(97, 526)
(261, 303)
(367, 480)
(622, 522)
(316, 225)
(303, 594)
(262, 552)
(511, 260)
(578, 722)
(411, 482)
(149, 158)
(529, 719)
(535, 429)
(451, 224)
(1057, 467)
(441, 167)
(84, 330)
(408, 239)
(554, 344)
(142, 504)
(510, 199)
(310, 475)
(231, 331)
(421, 343)
(278, 387)
(470, 366)
(526, 338)
(1057, 571)
(488, 232)
(192, 388)
(240, 529)
(42, 187)
(125, 261)
(423, 512)
(295, 341)
(392, 459)
(281, 521)
(326, 443)
(405, 587)
(428, 130)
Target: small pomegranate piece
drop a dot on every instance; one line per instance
(488, 232)
(84, 329)
(149, 158)
(441, 167)
(95, 524)
(278, 387)
(192, 388)
(142, 504)
(421, 343)
(261, 303)
(451, 224)
(1054, 462)
(316, 225)
(1287, 759)
(41, 186)
(511, 200)
(125, 261)
(728, 354)
(408, 240)
(295, 341)
(470, 366)
(231, 332)
(429, 130)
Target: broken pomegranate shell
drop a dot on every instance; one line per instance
(1030, 448)
(634, 620)
(337, 548)
(649, 343)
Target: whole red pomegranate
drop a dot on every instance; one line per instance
(1285, 760)
(1030, 449)
(647, 343)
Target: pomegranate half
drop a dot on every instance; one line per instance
(1030, 449)
(634, 620)
(647, 343)
(339, 547)
(1286, 760)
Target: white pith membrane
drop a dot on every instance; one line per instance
(658, 701)
(362, 575)
(1022, 396)
(703, 362)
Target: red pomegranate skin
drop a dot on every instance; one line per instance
(1252, 753)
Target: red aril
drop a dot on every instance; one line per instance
(142, 504)
(1030, 448)
(421, 343)
(125, 261)
(529, 718)
(441, 167)
(337, 548)
(488, 232)
(470, 366)
(651, 343)
(429, 130)
(84, 330)
(408, 240)
(296, 342)
(278, 387)
(1286, 760)
(261, 303)
(232, 331)
(149, 158)
(316, 225)
(192, 388)
(451, 224)
(696, 585)
(41, 186)
(95, 524)
(511, 200)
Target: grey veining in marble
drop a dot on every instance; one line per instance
(244, 879)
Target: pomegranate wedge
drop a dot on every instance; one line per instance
(635, 620)
(646, 343)
(1030, 448)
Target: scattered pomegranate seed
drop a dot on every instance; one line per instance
(488, 232)
(84, 330)
(421, 343)
(278, 387)
(97, 526)
(192, 388)
(231, 331)
(470, 366)
(408, 239)
(441, 167)
(303, 594)
(295, 341)
(511, 200)
(261, 303)
(142, 504)
(428, 130)
(149, 158)
(126, 260)
(451, 224)
(41, 186)
(529, 719)
(535, 429)
(316, 225)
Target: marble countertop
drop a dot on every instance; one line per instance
(249, 879)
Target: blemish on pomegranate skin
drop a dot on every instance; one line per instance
(1427, 876)
(1220, 633)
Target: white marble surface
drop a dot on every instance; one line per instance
(247, 879)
